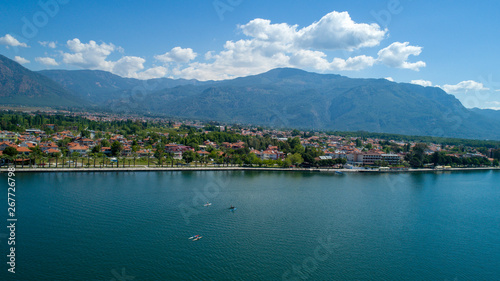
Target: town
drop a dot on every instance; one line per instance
(79, 140)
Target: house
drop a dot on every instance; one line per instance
(23, 150)
(202, 153)
(28, 144)
(106, 150)
(44, 146)
(81, 149)
(52, 150)
(5, 144)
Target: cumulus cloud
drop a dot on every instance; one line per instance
(128, 66)
(9, 40)
(396, 55)
(47, 61)
(338, 31)
(49, 44)
(464, 86)
(89, 55)
(420, 82)
(154, 72)
(266, 46)
(21, 60)
(93, 55)
(178, 55)
(334, 31)
(271, 45)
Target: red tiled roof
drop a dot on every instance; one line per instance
(23, 149)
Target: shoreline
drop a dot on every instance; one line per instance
(175, 169)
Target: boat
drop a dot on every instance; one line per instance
(197, 238)
(339, 173)
(208, 204)
(194, 237)
(232, 208)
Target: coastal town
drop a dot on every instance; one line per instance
(158, 142)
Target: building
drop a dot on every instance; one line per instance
(392, 159)
(81, 149)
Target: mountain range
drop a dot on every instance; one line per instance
(284, 97)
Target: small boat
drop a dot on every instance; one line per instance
(208, 204)
(339, 173)
(197, 238)
(194, 237)
(232, 207)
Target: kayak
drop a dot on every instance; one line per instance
(208, 204)
(194, 237)
(197, 238)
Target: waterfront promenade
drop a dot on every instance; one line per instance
(232, 168)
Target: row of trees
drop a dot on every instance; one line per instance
(417, 158)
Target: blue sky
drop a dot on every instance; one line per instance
(449, 44)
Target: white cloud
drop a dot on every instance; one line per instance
(338, 31)
(89, 55)
(496, 105)
(334, 31)
(92, 55)
(271, 45)
(21, 60)
(47, 61)
(262, 29)
(465, 86)
(353, 63)
(154, 72)
(267, 46)
(128, 66)
(9, 40)
(389, 78)
(49, 44)
(420, 82)
(396, 55)
(282, 45)
(178, 55)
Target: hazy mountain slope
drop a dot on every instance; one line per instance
(21, 86)
(100, 86)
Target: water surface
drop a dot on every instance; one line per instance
(287, 226)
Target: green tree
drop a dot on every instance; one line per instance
(189, 156)
(105, 143)
(85, 134)
(10, 151)
(116, 148)
(96, 149)
(295, 159)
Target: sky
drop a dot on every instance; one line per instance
(448, 44)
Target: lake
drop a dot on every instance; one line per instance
(286, 226)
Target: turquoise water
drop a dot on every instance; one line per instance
(287, 226)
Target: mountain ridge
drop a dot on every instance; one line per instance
(282, 97)
(21, 86)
